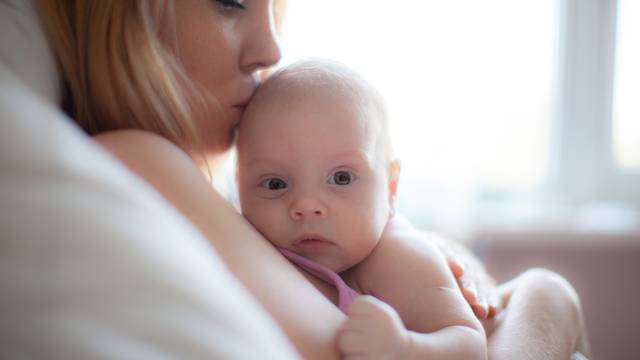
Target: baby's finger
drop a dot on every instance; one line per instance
(351, 343)
(359, 306)
(355, 325)
(364, 306)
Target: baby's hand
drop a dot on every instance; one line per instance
(373, 330)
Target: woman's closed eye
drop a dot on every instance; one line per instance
(342, 178)
(231, 4)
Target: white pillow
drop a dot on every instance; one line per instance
(24, 49)
(93, 262)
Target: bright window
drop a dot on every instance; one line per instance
(505, 113)
(470, 87)
(626, 110)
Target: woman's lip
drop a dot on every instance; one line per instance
(239, 109)
(245, 94)
(244, 100)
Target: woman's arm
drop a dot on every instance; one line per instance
(541, 312)
(542, 316)
(309, 319)
(542, 319)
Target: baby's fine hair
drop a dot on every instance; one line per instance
(311, 74)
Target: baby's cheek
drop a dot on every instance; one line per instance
(252, 212)
(373, 226)
(265, 221)
(381, 212)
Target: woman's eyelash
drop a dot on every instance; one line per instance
(231, 4)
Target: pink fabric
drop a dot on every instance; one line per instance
(345, 293)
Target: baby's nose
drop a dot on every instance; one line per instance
(307, 208)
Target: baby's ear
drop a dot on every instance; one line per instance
(394, 177)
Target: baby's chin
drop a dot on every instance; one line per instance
(335, 263)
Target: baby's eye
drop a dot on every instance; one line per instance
(231, 4)
(274, 184)
(341, 178)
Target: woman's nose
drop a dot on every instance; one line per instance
(307, 208)
(261, 47)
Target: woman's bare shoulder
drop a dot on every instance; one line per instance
(155, 159)
(129, 137)
(138, 148)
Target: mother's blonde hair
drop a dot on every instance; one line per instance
(118, 72)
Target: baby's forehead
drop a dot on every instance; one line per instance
(321, 76)
(322, 81)
(322, 85)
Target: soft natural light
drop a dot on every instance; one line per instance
(626, 113)
(469, 85)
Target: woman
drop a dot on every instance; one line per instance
(183, 73)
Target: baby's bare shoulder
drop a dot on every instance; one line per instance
(406, 257)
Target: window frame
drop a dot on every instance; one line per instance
(583, 168)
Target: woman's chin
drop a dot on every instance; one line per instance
(221, 144)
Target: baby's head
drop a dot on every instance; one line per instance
(315, 171)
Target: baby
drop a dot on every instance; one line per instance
(316, 176)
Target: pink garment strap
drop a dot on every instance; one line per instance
(345, 293)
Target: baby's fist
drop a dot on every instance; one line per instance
(373, 329)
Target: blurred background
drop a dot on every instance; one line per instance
(518, 126)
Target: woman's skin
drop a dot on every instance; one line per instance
(223, 45)
(223, 48)
(521, 331)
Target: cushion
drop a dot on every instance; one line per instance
(24, 49)
(94, 262)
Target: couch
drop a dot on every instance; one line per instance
(603, 266)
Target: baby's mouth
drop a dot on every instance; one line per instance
(311, 242)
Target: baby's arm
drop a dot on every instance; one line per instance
(430, 305)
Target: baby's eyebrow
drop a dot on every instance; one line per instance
(262, 161)
(356, 157)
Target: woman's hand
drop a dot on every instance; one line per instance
(475, 283)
